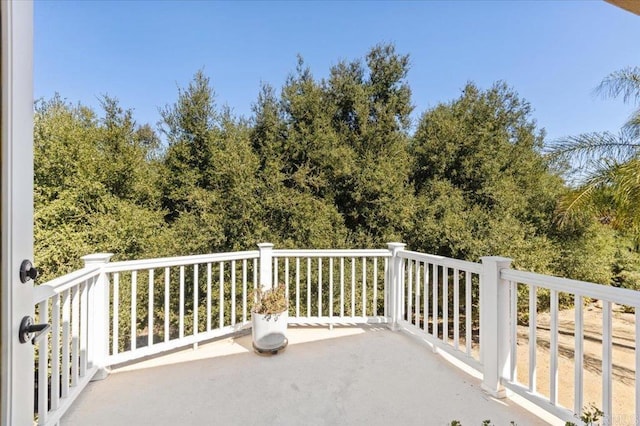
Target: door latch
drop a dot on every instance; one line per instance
(30, 331)
(27, 271)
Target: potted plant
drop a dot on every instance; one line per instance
(269, 317)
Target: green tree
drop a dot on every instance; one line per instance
(371, 109)
(209, 182)
(296, 150)
(482, 183)
(85, 199)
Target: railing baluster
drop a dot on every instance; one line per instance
(533, 342)
(434, 309)
(286, 278)
(221, 294)
(91, 319)
(353, 286)
(607, 333)
(386, 287)
(75, 335)
(468, 312)
(418, 308)
(445, 304)
(578, 355)
(134, 309)
(456, 308)
(375, 286)
(331, 287)
(43, 358)
(150, 314)
(402, 272)
(116, 313)
(409, 287)
(167, 281)
(233, 292)
(553, 352)
(244, 290)
(255, 273)
(513, 293)
(342, 286)
(84, 334)
(479, 310)
(425, 301)
(209, 296)
(275, 271)
(319, 287)
(181, 304)
(308, 286)
(297, 286)
(66, 317)
(55, 352)
(364, 286)
(196, 288)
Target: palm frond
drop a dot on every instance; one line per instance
(577, 201)
(597, 145)
(632, 126)
(606, 166)
(625, 82)
(610, 193)
(626, 189)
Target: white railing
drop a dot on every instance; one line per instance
(529, 285)
(174, 302)
(110, 313)
(69, 356)
(333, 286)
(439, 300)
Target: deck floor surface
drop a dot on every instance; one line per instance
(346, 376)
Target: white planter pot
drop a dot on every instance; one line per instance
(269, 331)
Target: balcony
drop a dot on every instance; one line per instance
(376, 336)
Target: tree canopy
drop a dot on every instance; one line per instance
(333, 162)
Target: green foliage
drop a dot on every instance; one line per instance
(371, 116)
(626, 266)
(84, 200)
(606, 167)
(322, 163)
(590, 416)
(587, 254)
(482, 184)
(210, 187)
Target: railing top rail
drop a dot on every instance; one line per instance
(165, 262)
(332, 253)
(60, 284)
(441, 260)
(621, 296)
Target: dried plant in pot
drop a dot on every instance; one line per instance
(269, 316)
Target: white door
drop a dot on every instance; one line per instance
(16, 179)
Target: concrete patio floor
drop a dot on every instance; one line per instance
(345, 376)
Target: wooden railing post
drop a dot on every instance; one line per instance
(266, 265)
(98, 319)
(495, 346)
(395, 285)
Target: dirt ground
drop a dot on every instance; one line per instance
(623, 360)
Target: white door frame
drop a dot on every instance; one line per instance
(16, 179)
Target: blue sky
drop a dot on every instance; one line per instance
(553, 53)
